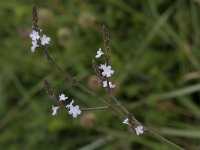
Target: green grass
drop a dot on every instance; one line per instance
(155, 55)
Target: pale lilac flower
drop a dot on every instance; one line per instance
(126, 121)
(34, 35)
(139, 130)
(99, 53)
(111, 85)
(54, 109)
(34, 45)
(107, 71)
(75, 111)
(102, 66)
(70, 105)
(62, 97)
(45, 40)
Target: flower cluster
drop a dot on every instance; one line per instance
(35, 36)
(106, 70)
(139, 129)
(73, 110)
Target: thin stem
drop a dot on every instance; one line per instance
(161, 138)
(107, 57)
(119, 104)
(94, 108)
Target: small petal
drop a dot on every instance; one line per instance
(102, 66)
(34, 35)
(70, 105)
(107, 71)
(62, 97)
(139, 130)
(99, 53)
(45, 40)
(126, 121)
(111, 85)
(54, 109)
(34, 45)
(75, 111)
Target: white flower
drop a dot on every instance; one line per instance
(126, 121)
(99, 53)
(75, 111)
(54, 109)
(70, 105)
(34, 45)
(34, 35)
(107, 71)
(45, 40)
(102, 66)
(139, 130)
(110, 84)
(62, 97)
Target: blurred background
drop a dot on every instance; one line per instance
(155, 54)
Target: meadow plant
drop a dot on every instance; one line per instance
(103, 71)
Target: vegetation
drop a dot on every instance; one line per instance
(155, 55)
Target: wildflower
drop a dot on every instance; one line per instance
(126, 121)
(102, 66)
(139, 130)
(34, 45)
(34, 35)
(107, 71)
(99, 53)
(45, 40)
(110, 84)
(70, 105)
(75, 111)
(54, 109)
(62, 97)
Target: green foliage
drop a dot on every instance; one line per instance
(155, 55)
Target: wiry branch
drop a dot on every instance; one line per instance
(106, 45)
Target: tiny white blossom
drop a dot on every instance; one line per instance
(45, 40)
(99, 53)
(75, 111)
(126, 121)
(34, 35)
(107, 71)
(102, 66)
(139, 130)
(62, 97)
(70, 105)
(111, 85)
(34, 45)
(54, 109)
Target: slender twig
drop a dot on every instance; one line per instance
(119, 104)
(161, 138)
(95, 108)
(107, 57)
